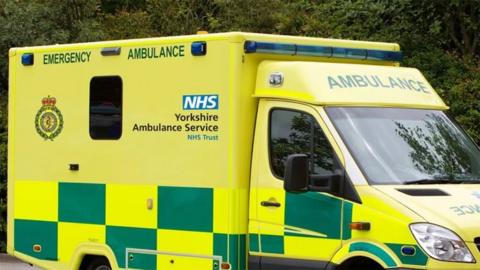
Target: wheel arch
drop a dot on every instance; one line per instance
(92, 249)
(378, 253)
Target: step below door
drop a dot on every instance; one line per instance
(154, 259)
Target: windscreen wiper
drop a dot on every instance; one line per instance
(432, 181)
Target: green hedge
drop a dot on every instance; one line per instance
(441, 38)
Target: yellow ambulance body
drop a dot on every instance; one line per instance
(235, 151)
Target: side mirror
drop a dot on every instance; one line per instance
(296, 173)
(332, 183)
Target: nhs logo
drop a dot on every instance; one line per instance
(200, 102)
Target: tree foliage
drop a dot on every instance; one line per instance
(441, 38)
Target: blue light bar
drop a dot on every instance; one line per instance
(308, 50)
(269, 47)
(199, 48)
(349, 53)
(380, 55)
(251, 46)
(27, 59)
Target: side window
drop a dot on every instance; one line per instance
(294, 132)
(106, 108)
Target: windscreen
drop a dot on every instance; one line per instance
(407, 146)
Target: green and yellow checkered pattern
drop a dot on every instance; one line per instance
(59, 216)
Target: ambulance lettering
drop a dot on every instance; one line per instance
(173, 51)
(200, 102)
(375, 81)
(462, 210)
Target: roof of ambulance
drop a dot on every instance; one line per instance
(317, 80)
(230, 36)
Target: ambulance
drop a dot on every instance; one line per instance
(235, 151)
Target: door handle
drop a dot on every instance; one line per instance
(270, 204)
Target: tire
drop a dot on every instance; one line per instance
(360, 263)
(98, 263)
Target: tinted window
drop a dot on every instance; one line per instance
(293, 132)
(106, 108)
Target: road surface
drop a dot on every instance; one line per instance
(8, 262)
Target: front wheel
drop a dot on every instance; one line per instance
(360, 263)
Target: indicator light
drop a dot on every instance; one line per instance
(360, 226)
(225, 266)
(37, 248)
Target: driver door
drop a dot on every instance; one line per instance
(302, 229)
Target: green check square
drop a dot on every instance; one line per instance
(185, 208)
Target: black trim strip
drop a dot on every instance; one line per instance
(277, 263)
(253, 262)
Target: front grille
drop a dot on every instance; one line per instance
(477, 242)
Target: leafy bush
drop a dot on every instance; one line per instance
(441, 38)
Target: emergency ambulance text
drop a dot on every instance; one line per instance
(66, 58)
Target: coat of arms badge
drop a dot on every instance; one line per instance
(49, 119)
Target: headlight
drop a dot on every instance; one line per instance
(441, 243)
